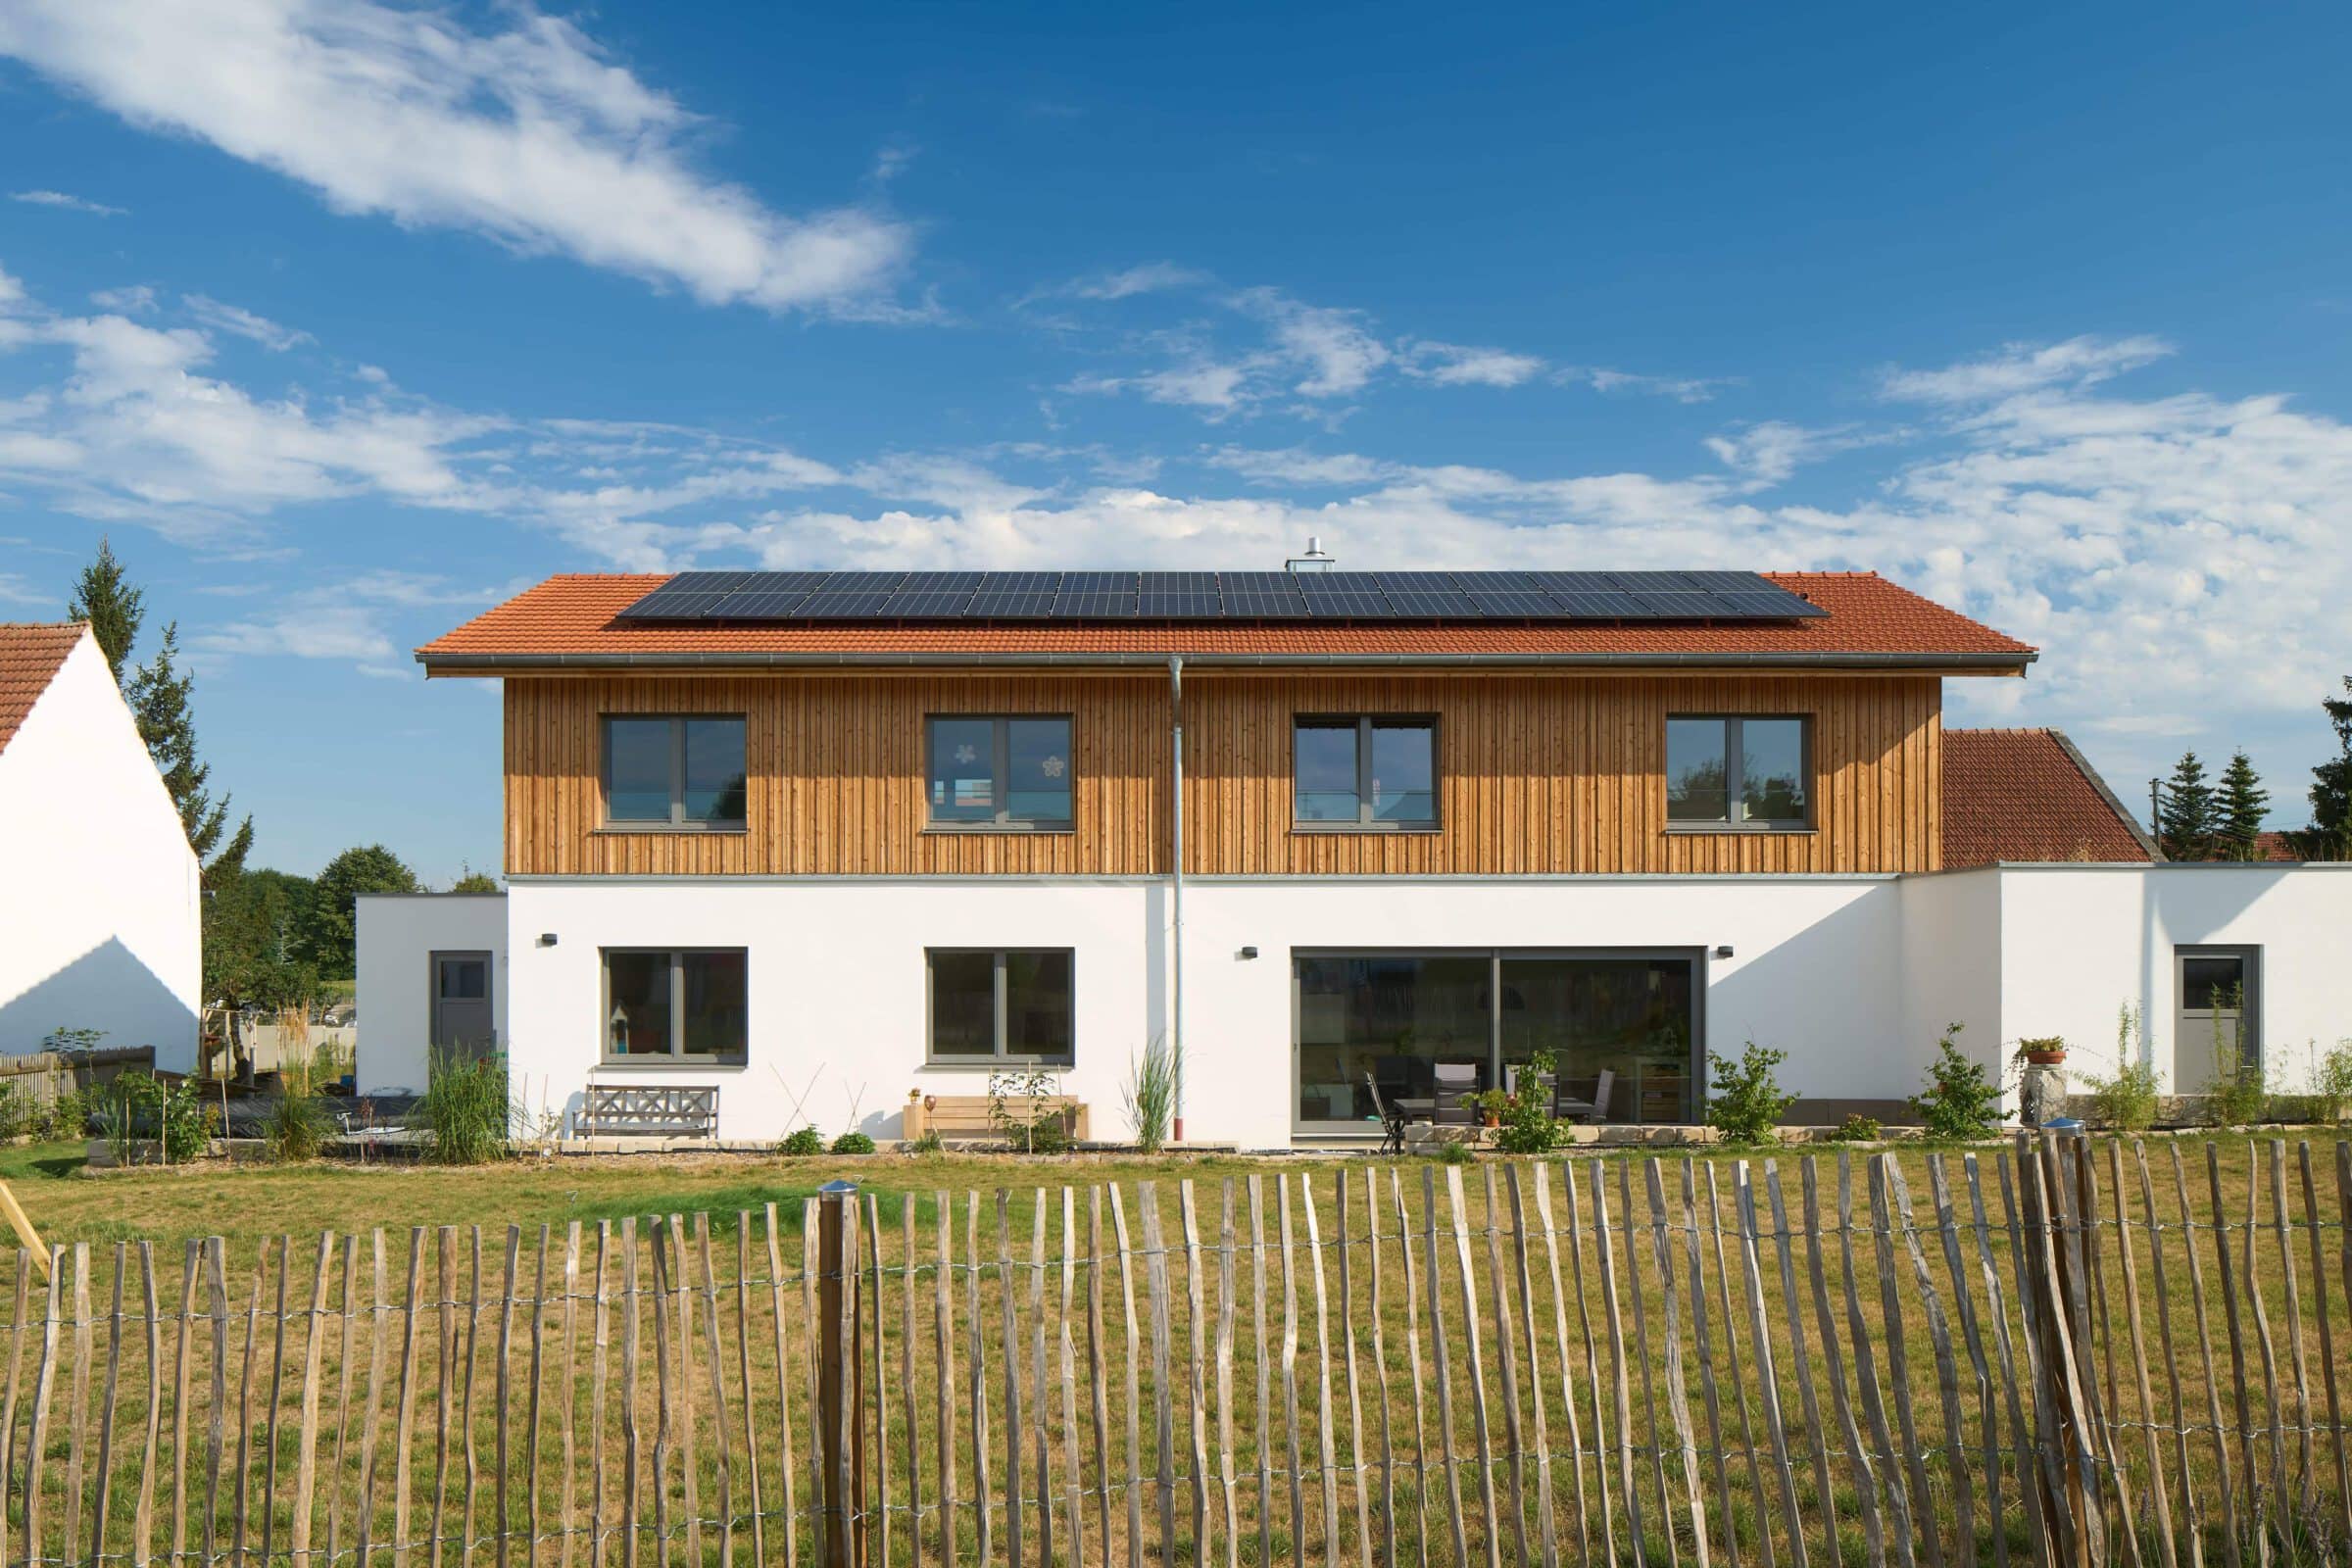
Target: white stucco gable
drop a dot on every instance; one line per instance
(101, 925)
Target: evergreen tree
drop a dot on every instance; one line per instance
(2187, 820)
(2332, 780)
(159, 693)
(2240, 808)
(334, 916)
(104, 597)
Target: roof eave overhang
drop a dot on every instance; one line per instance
(717, 662)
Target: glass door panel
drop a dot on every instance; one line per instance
(1394, 1019)
(1628, 1016)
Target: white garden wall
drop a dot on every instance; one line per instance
(398, 934)
(100, 925)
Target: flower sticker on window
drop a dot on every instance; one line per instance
(1050, 768)
(967, 754)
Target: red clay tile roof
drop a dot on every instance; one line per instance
(571, 619)
(2027, 795)
(2276, 846)
(29, 659)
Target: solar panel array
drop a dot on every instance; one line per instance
(1331, 596)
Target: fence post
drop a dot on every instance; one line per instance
(839, 1354)
(2049, 1280)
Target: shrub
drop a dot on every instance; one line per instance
(1748, 1103)
(1455, 1153)
(2331, 1084)
(2127, 1101)
(929, 1144)
(2239, 1091)
(1962, 1100)
(1151, 1095)
(1523, 1123)
(1856, 1129)
(137, 1107)
(466, 1109)
(1017, 1108)
(295, 1126)
(67, 1116)
(802, 1144)
(852, 1143)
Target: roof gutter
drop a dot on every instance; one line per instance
(453, 664)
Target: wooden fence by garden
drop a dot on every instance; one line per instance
(2060, 1352)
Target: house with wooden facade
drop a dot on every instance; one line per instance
(1351, 839)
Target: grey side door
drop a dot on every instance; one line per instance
(461, 1004)
(2220, 992)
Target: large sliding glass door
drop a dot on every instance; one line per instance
(1391, 1019)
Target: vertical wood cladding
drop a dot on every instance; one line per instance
(1537, 773)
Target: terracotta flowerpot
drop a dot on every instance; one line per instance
(1493, 1121)
(2046, 1058)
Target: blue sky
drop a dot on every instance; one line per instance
(345, 318)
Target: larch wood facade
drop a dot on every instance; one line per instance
(1537, 773)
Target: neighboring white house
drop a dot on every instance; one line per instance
(100, 928)
(432, 975)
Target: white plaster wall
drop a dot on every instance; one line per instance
(398, 935)
(100, 925)
(837, 1003)
(1951, 967)
(1816, 970)
(2079, 941)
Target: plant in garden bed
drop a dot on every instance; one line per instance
(1857, 1129)
(1747, 1103)
(1151, 1095)
(1522, 1121)
(1017, 1108)
(802, 1142)
(295, 1127)
(1962, 1100)
(2332, 1083)
(2127, 1100)
(852, 1143)
(466, 1109)
(2240, 1093)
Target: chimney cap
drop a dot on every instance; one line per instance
(1313, 561)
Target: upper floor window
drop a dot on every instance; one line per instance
(674, 771)
(1365, 771)
(1738, 771)
(678, 1005)
(1007, 771)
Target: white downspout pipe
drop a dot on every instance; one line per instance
(1176, 884)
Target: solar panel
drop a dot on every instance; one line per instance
(1261, 596)
(1544, 596)
(1344, 596)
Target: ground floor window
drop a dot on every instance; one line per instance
(1003, 1005)
(684, 1005)
(2220, 991)
(1410, 1021)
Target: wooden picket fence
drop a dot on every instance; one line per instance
(1613, 1359)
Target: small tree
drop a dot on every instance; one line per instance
(2240, 808)
(1962, 1100)
(334, 932)
(1748, 1103)
(471, 881)
(2188, 818)
(104, 597)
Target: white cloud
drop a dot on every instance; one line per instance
(1680, 388)
(1151, 278)
(66, 201)
(2079, 361)
(1329, 349)
(243, 324)
(534, 136)
(1452, 365)
(136, 299)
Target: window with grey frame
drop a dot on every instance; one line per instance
(681, 1006)
(999, 771)
(1739, 771)
(674, 770)
(992, 1005)
(1364, 771)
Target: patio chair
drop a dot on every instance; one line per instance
(1454, 1080)
(1392, 1118)
(1568, 1108)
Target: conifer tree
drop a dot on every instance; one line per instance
(105, 597)
(2239, 810)
(2185, 822)
(2332, 780)
(159, 693)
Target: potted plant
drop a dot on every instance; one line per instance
(2047, 1051)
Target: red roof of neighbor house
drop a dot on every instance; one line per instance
(29, 659)
(2280, 847)
(2027, 795)
(570, 621)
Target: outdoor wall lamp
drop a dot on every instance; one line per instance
(1248, 952)
(546, 939)
(1724, 951)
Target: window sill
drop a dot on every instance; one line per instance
(1745, 829)
(635, 1064)
(613, 830)
(994, 1064)
(1367, 827)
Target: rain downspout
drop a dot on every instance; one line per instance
(1176, 886)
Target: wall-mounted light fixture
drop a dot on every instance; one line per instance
(546, 939)
(1724, 951)
(1248, 952)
